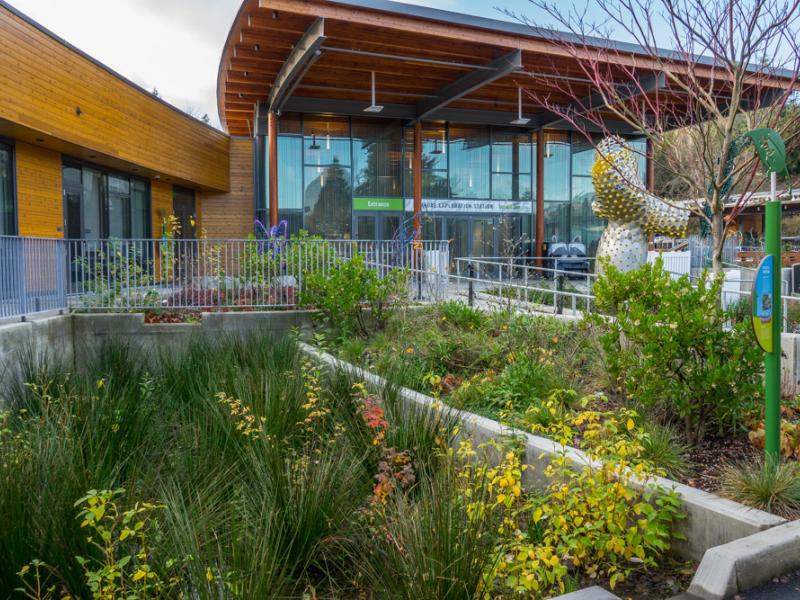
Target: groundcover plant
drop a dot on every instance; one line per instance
(240, 469)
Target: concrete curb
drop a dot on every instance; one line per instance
(710, 520)
(592, 593)
(746, 563)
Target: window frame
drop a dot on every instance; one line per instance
(12, 144)
(77, 163)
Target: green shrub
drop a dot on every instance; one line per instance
(344, 291)
(669, 343)
(461, 315)
(774, 488)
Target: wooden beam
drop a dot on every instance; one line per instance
(296, 66)
(500, 67)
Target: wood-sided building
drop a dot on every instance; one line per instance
(345, 118)
(86, 153)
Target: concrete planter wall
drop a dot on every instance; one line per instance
(92, 329)
(710, 520)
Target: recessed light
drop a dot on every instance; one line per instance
(257, 47)
(274, 14)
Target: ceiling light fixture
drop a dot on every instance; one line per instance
(314, 145)
(520, 120)
(373, 108)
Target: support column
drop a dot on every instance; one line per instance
(540, 194)
(272, 161)
(416, 168)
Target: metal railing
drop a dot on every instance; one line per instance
(38, 275)
(32, 275)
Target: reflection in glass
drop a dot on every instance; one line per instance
(93, 188)
(326, 141)
(512, 156)
(328, 201)
(7, 216)
(119, 191)
(140, 209)
(290, 173)
(376, 159)
(556, 221)
(556, 167)
(469, 158)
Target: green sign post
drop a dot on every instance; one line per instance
(771, 151)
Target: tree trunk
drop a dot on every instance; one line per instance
(717, 241)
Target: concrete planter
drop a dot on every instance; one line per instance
(710, 520)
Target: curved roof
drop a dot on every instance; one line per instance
(419, 55)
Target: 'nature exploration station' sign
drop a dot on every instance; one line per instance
(763, 303)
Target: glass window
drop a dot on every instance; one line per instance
(104, 205)
(92, 202)
(469, 162)
(119, 192)
(557, 159)
(140, 209)
(514, 232)
(431, 227)
(512, 156)
(556, 221)
(328, 201)
(583, 222)
(326, 141)
(639, 147)
(434, 163)
(290, 173)
(583, 156)
(376, 158)
(7, 208)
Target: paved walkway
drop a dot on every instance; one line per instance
(782, 588)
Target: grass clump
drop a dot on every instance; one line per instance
(773, 488)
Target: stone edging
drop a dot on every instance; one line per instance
(746, 563)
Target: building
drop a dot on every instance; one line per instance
(347, 118)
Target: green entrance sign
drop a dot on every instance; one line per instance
(763, 303)
(379, 204)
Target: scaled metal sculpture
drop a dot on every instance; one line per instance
(632, 213)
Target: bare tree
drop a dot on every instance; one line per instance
(709, 69)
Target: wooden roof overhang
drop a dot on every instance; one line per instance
(319, 55)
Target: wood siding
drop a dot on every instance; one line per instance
(53, 92)
(230, 216)
(40, 206)
(161, 205)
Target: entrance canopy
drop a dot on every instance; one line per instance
(318, 56)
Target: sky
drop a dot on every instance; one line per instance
(174, 46)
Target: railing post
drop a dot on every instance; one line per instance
(471, 288)
(559, 296)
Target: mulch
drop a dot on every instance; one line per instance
(712, 456)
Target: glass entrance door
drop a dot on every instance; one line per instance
(376, 225)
